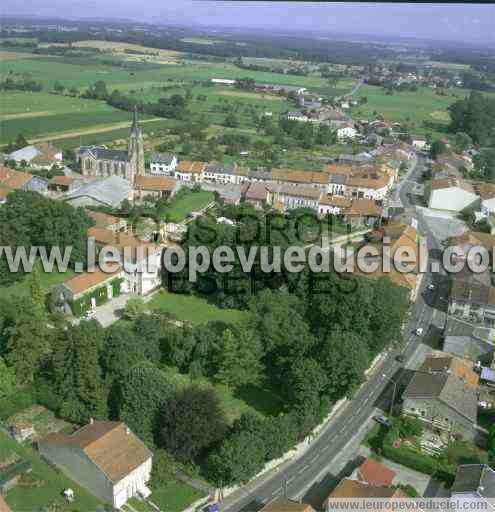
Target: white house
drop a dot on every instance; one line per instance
(488, 207)
(451, 194)
(297, 116)
(225, 173)
(418, 142)
(346, 131)
(333, 205)
(223, 81)
(163, 163)
(189, 171)
(295, 196)
(104, 457)
(141, 261)
(369, 186)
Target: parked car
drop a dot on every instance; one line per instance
(431, 287)
(383, 421)
(419, 331)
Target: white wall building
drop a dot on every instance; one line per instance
(346, 132)
(105, 457)
(163, 163)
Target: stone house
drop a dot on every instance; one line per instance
(443, 394)
(154, 187)
(105, 457)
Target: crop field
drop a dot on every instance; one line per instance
(43, 115)
(424, 105)
(72, 121)
(71, 73)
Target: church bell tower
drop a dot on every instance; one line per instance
(136, 148)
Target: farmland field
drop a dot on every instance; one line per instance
(424, 105)
(42, 113)
(49, 69)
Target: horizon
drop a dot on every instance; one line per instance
(462, 23)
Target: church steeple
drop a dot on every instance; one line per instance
(135, 121)
(136, 148)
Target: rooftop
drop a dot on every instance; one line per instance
(114, 449)
(87, 280)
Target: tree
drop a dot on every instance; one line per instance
(239, 458)
(484, 163)
(134, 308)
(28, 345)
(231, 121)
(143, 394)
(462, 141)
(77, 373)
(7, 380)
(239, 359)
(123, 348)
(437, 148)
(192, 421)
(344, 358)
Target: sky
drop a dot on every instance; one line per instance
(455, 22)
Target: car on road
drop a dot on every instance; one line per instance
(401, 358)
(431, 287)
(419, 331)
(383, 421)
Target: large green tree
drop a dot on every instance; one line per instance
(191, 421)
(77, 373)
(143, 394)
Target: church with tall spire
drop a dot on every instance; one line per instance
(101, 162)
(136, 147)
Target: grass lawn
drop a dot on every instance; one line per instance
(174, 497)
(261, 399)
(194, 201)
(47, 280)
(43, 485)
(193, 309)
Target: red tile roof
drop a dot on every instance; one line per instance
(114, 449)
(375, 473)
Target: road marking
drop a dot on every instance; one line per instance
(274, 493)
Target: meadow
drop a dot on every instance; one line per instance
(36, 114)
(414, 108)
(71, 73)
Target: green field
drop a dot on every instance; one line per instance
(193, 309)
(424, 105)
(192, 202)
(47, 70)
(43, 485)
(41, 114)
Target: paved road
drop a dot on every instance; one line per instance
(295, 477)
(354, 90)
